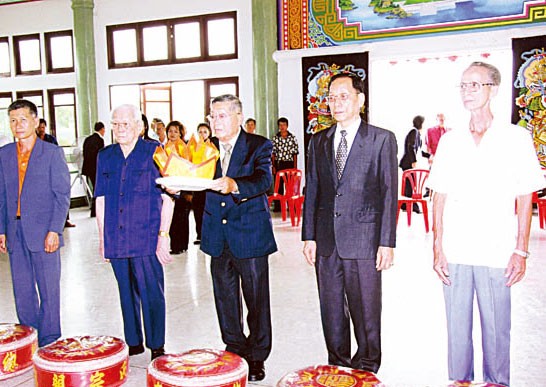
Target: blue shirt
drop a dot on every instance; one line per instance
(132, 200)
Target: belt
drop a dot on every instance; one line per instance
(18, 217)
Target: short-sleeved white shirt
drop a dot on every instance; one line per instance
(481, 183)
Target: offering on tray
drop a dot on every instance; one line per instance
(196, 159)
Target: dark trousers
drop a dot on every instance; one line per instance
(229, 275)
(350, 289)
(198, 206)
(31, 271)
(180, 225)
(91, 184)
(141, 286)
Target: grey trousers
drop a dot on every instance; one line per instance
(489, 285)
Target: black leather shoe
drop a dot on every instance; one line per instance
(158, 352)
(135, 349)
(256, 371)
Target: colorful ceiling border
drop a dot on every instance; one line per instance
(318, 23)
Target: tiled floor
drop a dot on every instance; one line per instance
(414, 338)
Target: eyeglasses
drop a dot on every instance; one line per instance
(473, 86)
(220, 116)
(331, 98)
(121, 125)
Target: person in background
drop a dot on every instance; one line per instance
(349, 223)
(238, 234)
(160, 132)
(133, 218)
(480, 244)
(434, 134)
(146, 130)
(34, 201)
(412, 152)
(250, 125)
(91, 147)
(180, 225)
(42, 135)
(198, 200)
(285, 153)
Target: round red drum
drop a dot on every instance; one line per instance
(461, 383)
(17, 344)
(329, 376)
(198, 367)
(82, 361)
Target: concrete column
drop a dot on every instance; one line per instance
(86, 86)
(264, 27)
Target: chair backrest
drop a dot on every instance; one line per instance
(417, 179)
(291, 179)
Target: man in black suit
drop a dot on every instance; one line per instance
(349, 223)
(238, 235)
(91, 147)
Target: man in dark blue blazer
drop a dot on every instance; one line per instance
(349, 223)
(34, 201)
(238, 234)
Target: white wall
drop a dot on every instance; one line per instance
(398, 92)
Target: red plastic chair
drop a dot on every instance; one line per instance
(291, 179)
(417, 179)
(541, 207)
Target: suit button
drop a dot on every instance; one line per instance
(338, 195)
(224, 221)
(223, 204)
(337, 215)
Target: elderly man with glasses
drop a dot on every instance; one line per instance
(480, 245)
(134, 217)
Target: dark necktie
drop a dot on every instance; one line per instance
(341, 154)
(227, 157)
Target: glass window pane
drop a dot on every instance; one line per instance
(126, 94)
(220, 89)
(187, 38)
(61, 52)
(155, 43)
(221, 36)
(4, 58)
(63, 99)
(4, 117)
(157, 94)
(188, 104)
(65, 125)
(160, 110)
(29, 52)
(125, 46)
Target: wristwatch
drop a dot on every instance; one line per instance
(163, 233)
(521, 253)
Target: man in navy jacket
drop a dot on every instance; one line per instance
(237, 233)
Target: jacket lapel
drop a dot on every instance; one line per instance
(329, 153)
(238, 154)
(34, 161)
(356, 153)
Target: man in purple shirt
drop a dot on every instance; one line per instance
(134, 216)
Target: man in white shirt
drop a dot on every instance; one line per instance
(480, 246)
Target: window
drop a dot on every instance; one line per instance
(221, 36)
(36, 97)
(59, 52)
(62, 113)
(192, 39)
(5, 68)
(185, 101)
(156, 101)
(27, 54)
(155, 43)
(5, 101)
